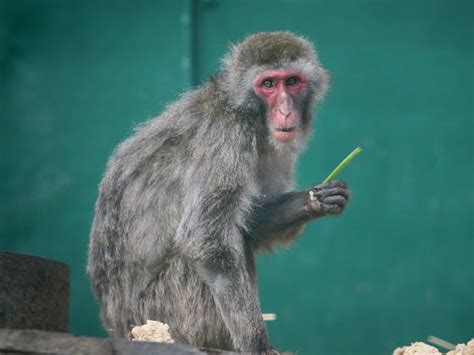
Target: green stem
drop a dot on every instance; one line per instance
(342, 165)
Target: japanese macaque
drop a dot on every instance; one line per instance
(194, 194)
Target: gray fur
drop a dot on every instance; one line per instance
(188, 199)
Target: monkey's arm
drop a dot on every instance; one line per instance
(282, 218)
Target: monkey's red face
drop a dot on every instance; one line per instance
(282, 90)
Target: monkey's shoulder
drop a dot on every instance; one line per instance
(198, 127)
(210, 101)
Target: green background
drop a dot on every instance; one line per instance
(76, 77)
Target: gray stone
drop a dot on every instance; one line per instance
(34, 293)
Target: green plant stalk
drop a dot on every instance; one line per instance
(342, 165)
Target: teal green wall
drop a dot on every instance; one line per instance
(76, 77)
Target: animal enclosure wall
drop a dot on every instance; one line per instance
(397, 266)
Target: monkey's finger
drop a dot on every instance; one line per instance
(332, 208)
(339, 200)
(340, 183)
(326, 185)
(322, 194)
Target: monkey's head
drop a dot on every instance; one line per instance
(277, 77)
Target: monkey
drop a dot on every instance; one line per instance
(193, 195)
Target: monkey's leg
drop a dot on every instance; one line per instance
(282, 218)
(237, 301)
(214, 245)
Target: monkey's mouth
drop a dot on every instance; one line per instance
(284, 134)
(285, 129)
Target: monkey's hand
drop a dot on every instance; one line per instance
(327, 198)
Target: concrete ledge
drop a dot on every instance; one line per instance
(45, 342)
(32, 341)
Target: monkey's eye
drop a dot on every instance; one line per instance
(292, 81)
(268, 83)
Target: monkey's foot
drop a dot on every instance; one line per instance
(271, 351)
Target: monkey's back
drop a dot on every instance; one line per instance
(135, 269)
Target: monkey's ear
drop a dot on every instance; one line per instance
(323, 83)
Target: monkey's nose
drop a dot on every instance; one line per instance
(286, 113)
